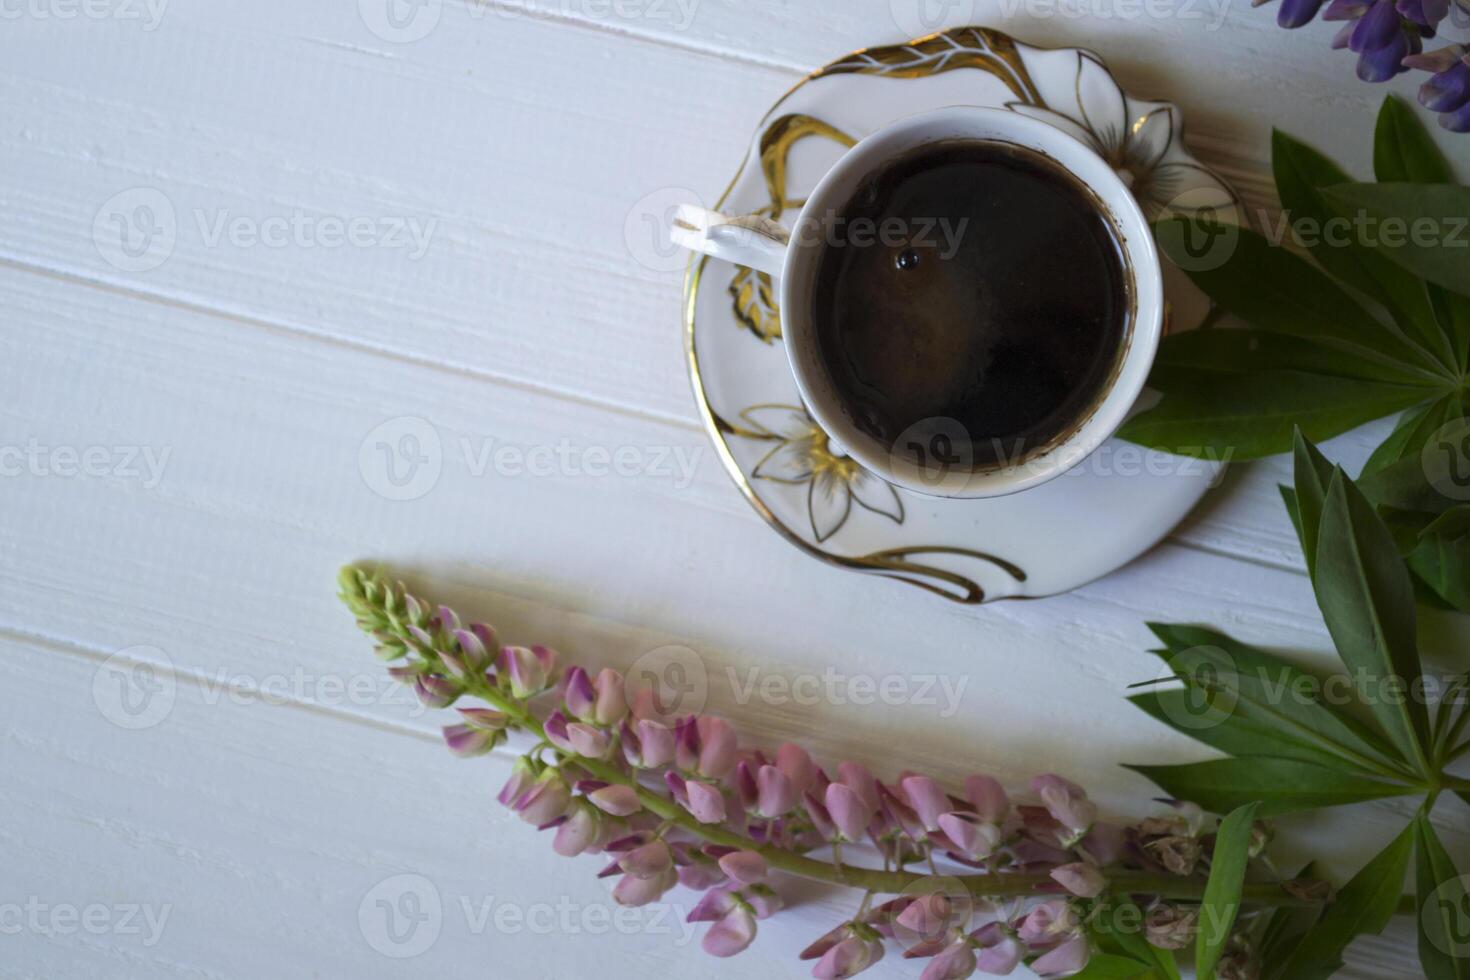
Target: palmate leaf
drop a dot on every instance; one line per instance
(1302, 174)
(1441, 254)
(1254, 414)
(1412, 432)
(1367, 600)
(1444, 910)
(1260, 705)
(1364, 905)
(1281, 785)
(1250, 350)
(1221, 902)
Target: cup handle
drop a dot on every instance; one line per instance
(749, 240)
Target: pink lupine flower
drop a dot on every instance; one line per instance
(849, 813)
(1048, 922)
(975, 839)
(860, 781)
(820, 816)
(589, 742)
(763, 901)
(1081, 879)
(529, 669)
(746, 867)
(776, 794)
(434, 691)
(618, 800)
(686, 743)
(633, 891)
(999, 951)
(544, 801)
(477, 655)
(955, 962)
(467, 740)
(1068, 805)
(1105, 843)
(1068, 958)
(745, 787)
(988, 798)
(485, 719)
(557, 731)
(848, 957)
(926, 917)
(927, 799)
(657, 742)
(717, 750)
(647, 860)
(522, 778)
(577, 832)
(734, 931)
(612, 699)
(706, 802)
(579, 694)
(798, 766)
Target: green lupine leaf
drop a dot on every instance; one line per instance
(1204, 413)
(1129, 941)
(1363, 906)
(1441, 254)
(1251, 350)
(1442, 564)
(1412, 432)
(1444, 907)
(1367, 599)
(1450, 524)
(1105, 966)
(1404, 486)
(1302, 174)
(1274, 290)
(1452, 310)
(1403, 150)
(1281, 785)
(1221, 902)
(1311, 473)
(1265, 686)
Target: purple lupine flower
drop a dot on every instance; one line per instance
(577, 832)
(848, 958)
(857, 778)
(555, 729)
(657, 742)
(928, 800)
(633, 891)
(579, 694)
(775, 793)
(545, 800)
(612, 700)
(718, 751)
(988, 798)
(798, 766)
(1448, 90)
(434, 691)
(975, 839)
(926, 917)
(467, 741)
(734, 931)
(1295, 13)
(589, 741)
(706, 802)
(529, 669)
(999, 951)
(647, 860)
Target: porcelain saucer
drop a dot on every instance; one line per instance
(1095, 518)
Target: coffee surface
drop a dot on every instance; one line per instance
(976, 282)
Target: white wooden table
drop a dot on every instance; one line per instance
(368, 220)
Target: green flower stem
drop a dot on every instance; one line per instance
(873, 879)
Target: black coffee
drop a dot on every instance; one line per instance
(972, 281)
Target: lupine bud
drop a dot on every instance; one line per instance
(988, 798)
(612, 701)
(579, 695)
(528, 669)
(589, 742)
(706, 802)
(657, 742)
(435, 691)
(472, 650)
(955, 962)
(1081, 879)
(849, 813)
(618, 800)
(578, 832)
(466, 741)
(717, 749)
(732, 933)
(1068, 958)
(746, 867)
(927, 799)
(976, 840)
(485, 718)
(798, 766)
(775, 793)
(557, 731)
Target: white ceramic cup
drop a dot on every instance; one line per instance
(766, 246)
